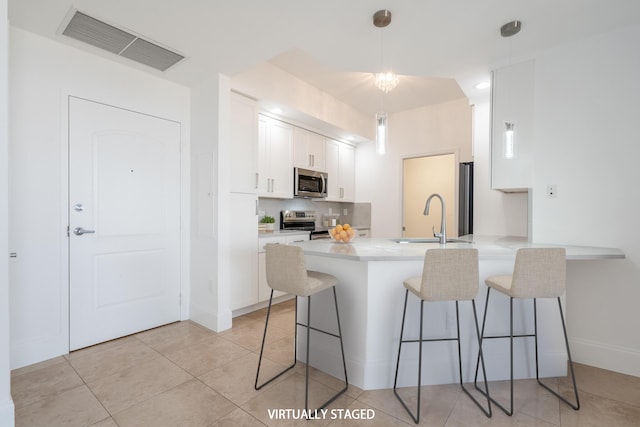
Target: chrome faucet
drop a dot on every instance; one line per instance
(443, 224)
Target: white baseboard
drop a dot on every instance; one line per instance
(260, 305)
(216, 322)
(612, 358)
(7, 414)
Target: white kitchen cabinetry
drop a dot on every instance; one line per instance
(512, 92)
(264, 291)
(340, 161)
(275, 167)
(242, 250)
(308, 150)
(363, 233)
(244, 145)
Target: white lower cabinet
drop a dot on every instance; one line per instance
(242, 251)
(264, 291)
(364, 233)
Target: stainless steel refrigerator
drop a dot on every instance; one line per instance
(465, 199)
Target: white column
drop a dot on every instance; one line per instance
(6, 403)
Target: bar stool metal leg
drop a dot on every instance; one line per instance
(575, 406)
(421, 340)
(511, 336)
(344, 360)
(404, 313)
(339, 336)
(415, 418)
(487, 411)
(306, 370)
(308, 328)
(264, 338)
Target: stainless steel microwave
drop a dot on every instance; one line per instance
(309, 183)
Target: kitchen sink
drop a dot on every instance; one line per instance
(428, 240)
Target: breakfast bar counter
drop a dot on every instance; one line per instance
(370, 273)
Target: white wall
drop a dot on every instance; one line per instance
(437, 129)
(210, 300)
(43, 72)
(586, 142)
(495, 213)
(314, 109)
(6, 403)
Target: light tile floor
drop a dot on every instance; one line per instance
(185, 375)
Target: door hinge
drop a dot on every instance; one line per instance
(67, 231)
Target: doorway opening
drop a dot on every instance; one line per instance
(423, 176)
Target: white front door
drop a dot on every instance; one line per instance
(124, 192)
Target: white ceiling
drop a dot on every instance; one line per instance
(333, 44)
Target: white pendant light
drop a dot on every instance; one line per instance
(381, 133)
(386, 82)
(509, 140)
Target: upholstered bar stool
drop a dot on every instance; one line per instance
(538, 273)
(447, 275)
(286, 271)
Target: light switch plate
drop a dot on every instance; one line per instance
(552, 191)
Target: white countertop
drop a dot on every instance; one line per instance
(489, 247)
(280, 233)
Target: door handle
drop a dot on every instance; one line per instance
(79, 231)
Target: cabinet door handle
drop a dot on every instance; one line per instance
(257, 179)
(256, 207)
(313, 160)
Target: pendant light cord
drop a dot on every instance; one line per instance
(382, 66)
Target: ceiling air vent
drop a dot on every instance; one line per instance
(104, 36)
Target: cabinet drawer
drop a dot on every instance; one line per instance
(275, 239)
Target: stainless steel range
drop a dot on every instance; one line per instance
(302, 220)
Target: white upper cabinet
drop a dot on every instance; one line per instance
(308, 150)
(275, 167)
(512, 105)
(244, 145)
(340, 162)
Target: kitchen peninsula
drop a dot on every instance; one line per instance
(370, 273)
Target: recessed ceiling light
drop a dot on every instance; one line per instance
(350, 138)
(482, 85)
(277, 110)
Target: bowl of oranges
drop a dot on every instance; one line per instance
(343, 233)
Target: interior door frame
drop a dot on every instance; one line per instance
(456, 160)
(65, 201)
